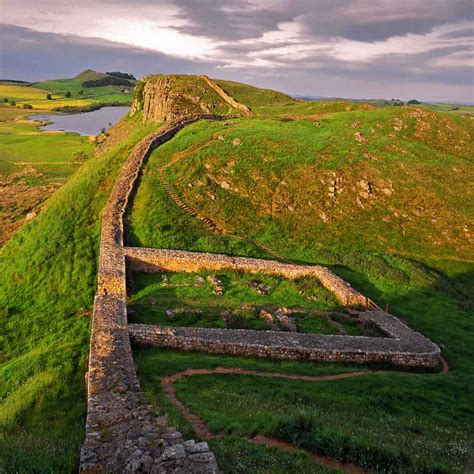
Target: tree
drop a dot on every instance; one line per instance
(48, 97)
(5, 100)
(27, 106)
(80, 92)
(12, 103)
(414, 102)
(67, 94)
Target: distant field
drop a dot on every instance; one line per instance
(33, 165)
(452, 108)
(21, 92)
(80, 96)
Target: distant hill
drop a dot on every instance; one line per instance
(88, 75)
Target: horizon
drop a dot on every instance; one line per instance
(346, 48)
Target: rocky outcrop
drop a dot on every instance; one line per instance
(167, 98)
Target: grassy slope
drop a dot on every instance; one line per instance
(424, 276)
(35, 95)
(385, 422)
(48, 279)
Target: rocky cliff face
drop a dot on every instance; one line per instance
(173, 97)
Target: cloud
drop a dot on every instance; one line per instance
(426, 45)
(30, 55)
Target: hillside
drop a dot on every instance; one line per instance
(381, 196)
(46, 290)
(393, 181)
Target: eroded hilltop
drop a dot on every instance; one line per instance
(172, 97)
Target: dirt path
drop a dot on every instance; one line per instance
(202, 430)
(230, 100)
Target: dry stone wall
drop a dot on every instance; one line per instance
(156, 260)
(230, 100)
(121, 433)
(404, 347)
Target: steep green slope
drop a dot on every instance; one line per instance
(48, 280)
(383, 197)
(394, 181)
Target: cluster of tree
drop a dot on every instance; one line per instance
(107, 81)
(394, 102)
(123, 75)
(414, 102)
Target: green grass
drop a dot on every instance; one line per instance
(386, 422)
(81, 97)
(22, 142)
(254, 96)
(406, 248)
(194, 303)
(46, 290)
(452, 108)
(420, 268)
(420, 202)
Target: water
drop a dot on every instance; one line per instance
(87, 123)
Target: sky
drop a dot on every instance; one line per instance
(332, 48)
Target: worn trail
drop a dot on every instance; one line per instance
(202, 430)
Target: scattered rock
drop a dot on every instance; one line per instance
(170, 314)
(200, 280)
(221, 138)
(225, 315)
(285, 322)
(360, 138)
(259, 287)
(30, 215)
(217, 286)
(236, 141)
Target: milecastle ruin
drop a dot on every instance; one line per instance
(122, 435)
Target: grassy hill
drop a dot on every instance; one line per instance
(46, 290)
(81, 98)
(381, 196)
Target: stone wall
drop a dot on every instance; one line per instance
(121, 433)
(157, 260)
(404, 347)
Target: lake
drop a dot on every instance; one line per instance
(87, 123)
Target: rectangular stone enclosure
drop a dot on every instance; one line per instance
(401, 346)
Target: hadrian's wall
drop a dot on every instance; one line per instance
(122, 435)
(156, 260)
